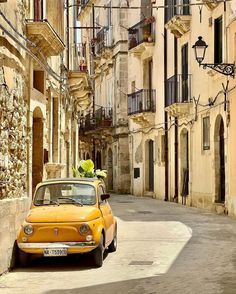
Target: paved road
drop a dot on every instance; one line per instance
(163, 248)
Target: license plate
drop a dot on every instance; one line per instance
(55, 252)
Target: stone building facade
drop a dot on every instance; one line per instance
(181, 116)
(40, 101)
(104, 126)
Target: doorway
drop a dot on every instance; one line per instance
(219, 160)
(149, 166)
(37, 148)
(184, 164)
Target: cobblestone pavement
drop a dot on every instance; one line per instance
(163, 248)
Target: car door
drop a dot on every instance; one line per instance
(107, 215)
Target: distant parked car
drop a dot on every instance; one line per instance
(68, 216)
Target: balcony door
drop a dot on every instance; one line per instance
(146, 9)
(184, 58)
(185, 9)
(149, 166)
(38, 10)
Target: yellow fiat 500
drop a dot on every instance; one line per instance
(68, 216)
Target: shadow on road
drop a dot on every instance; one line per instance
(74, 262)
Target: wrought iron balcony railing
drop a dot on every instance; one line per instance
(178, 89)
(173, 9)
(102, 118)
(83, 3)
(142, 101)
(104, 39)
(140, 33)
(79, 57)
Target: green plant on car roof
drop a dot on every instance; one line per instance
(85, 169)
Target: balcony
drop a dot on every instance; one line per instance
(98, 124)
(78, 77)
(142, 106)
(178, 93)
(82, 4)
(42, 34)
(211, 4)
(104, 42)
(178, 18)
(141, 37)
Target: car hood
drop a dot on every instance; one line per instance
(62, 213)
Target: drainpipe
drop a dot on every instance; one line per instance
(92, 71)
(67, 35)
(166, 118)
(176, 143)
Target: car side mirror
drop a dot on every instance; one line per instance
(105, 196)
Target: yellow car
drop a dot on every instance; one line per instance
(68, 216)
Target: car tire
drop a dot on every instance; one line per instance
(113, 246)
(98, 254)
(23, 258)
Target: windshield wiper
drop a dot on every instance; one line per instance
(71, 199)
(50, 202)
(54, 202)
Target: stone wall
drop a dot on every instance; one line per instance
(13, 137)
(12, 213)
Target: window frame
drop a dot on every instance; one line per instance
(206, 142)
(218, 40)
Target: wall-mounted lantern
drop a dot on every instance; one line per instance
(200, 50)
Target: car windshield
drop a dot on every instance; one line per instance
(65, 193)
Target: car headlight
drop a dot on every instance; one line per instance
(84, 229)
(28, 229)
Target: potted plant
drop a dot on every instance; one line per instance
(85, 169)
(149, 19)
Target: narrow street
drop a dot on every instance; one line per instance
(163, 247)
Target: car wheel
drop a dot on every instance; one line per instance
(23, 258)
(98, 254)
(113, 246)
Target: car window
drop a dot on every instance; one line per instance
(64, 193)
(100, 192)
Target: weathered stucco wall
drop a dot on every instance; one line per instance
(12, 213)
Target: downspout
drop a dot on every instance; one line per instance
(165, 113)
(67, 35)
(92, 72)
(176, 143)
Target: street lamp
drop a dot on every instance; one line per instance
(200, 47)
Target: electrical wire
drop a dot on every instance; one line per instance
(146, 7)
(15, 30)
(45, 66)
(160, 126)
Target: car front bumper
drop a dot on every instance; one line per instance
(72, 247)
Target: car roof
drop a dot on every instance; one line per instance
(91, 180)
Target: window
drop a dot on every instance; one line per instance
(39, 80)
(218, 40)
(163, 149)
(38, 10)
(65, 193)
(184, 57)
(109, 14)
(206, 133)
(100, 192)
